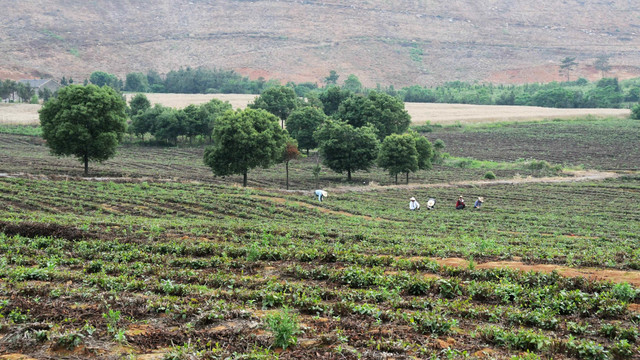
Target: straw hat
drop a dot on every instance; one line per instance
(412, 199)
(480, 198)
(431, 202)
(324, 193)
(460, 197)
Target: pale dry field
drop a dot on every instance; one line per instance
(179, 101)
(19, 114)
(421, 113)
(448, 114)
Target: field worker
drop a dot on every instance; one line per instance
(413, 204)
(460, 203)
(321, 194)
(478, 202)
(431, 203)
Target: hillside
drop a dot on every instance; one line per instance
(387, 42)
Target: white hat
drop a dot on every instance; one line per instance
(412, 199)
(431, 202)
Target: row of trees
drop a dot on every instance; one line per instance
(9, 89)
(168, 124)
(607, 92)
(88, 122)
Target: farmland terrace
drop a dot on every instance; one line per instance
(154, 257)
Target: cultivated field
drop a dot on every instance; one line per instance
(421, 113)
(156, 258)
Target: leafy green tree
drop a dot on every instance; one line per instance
(385, 112)
(278, 100)
(144, 122)
(64, 81)
(355, 110)
(138, 104)
(25, 92)
(302, 123)
(9, 87)
(635, 112)
(390, 116)
(101, 78)
(45, 94)
(331, 99)
(243, 140)
(211, 110)
(426, 152)
(602, 64)
(567, 65)
(332, 79)
(398, 154)
(84, 121)
(353, 84)
(290, 152)
(169, 125)
(196, 121)
(347, 148)
(136, 82)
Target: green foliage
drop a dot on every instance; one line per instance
(278, 100)
(489, 175)
(136, 82)
(353, 84)
(635, 112)
(85, 121)
(386, 113)
(346, 148)
(101, 78)
(431, 323)
(139, 104)
(243, 140)
(331, 99)
(302, 123)
(285, 327)
(398, 154)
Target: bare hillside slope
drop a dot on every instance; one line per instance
(397, 42)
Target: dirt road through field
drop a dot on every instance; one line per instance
(574, 176)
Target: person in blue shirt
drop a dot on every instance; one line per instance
(321, 194)
(478, 203)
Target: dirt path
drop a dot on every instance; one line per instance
(575, 176)
(616, 276)
(319, 208)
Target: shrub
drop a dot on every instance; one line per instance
(635, 112)
(489, 175)
(285, 327)
(431, 323)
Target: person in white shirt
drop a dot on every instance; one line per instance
(413, 204)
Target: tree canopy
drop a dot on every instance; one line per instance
(243, 140)
(347, 148)
(398, 154)
(278, 100)
(385, 112)
(84, 121)
(302, 123)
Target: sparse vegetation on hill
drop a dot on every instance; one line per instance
(383, 42)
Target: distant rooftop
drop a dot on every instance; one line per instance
(35, 83)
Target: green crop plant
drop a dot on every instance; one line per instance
(284, 325)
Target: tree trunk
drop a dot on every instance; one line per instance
(407, 178)
(349, 175)
(86, 165)
(244, 179)
(307, 152)
(286, 164)
(396, 179)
